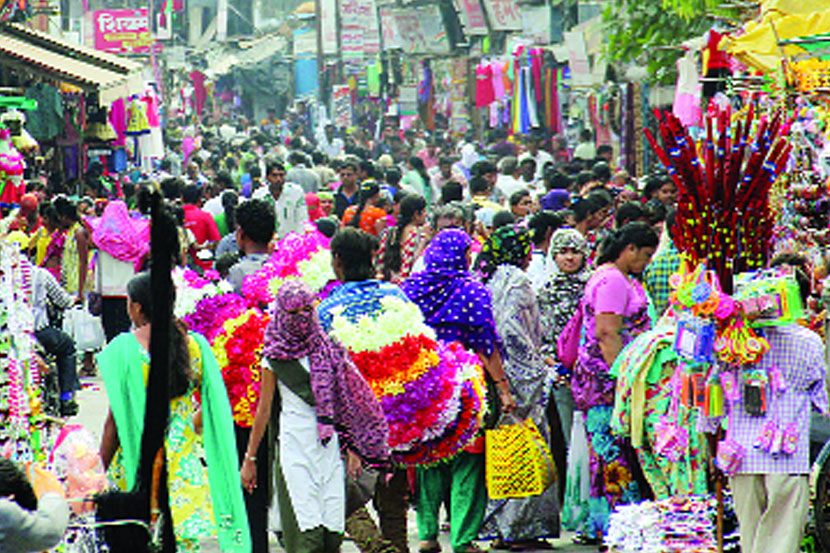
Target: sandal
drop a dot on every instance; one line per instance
(531, 545)
(429, 547)
(472, 548)
(582, 539)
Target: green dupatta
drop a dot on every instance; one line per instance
(122, 368)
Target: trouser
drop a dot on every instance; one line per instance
(316, 540)
(256, 503)
(463, 478)
(565, 404)
(114, 316)
(771, 510)
(391, 505)
(367, 537)
(60, 344)
(558, 437)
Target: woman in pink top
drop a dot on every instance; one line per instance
(614, 311)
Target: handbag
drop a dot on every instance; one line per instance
(567, 345)
(85, 329)
(518, 461)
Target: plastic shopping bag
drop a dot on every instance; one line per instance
(84, 328)
(577, 485)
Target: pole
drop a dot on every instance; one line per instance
(321, 62)
(719, 498)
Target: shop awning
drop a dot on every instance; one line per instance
(785, 20)
(34, 52)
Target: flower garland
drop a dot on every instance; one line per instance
(23, 428)
(238, 347)
(191, 289)
(297, 256)
(431, 393)
(212, 312)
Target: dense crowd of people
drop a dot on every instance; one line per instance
(499, 244)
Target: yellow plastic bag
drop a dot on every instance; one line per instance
(518, 461)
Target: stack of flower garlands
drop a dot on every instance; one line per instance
(431, 393)
(24, 432)
(234, 324)
(723, 211)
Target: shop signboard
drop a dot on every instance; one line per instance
(122, 31)
(472, 17)
(504, 15)
(341, 106)
(328, 11)
(416, 31)
(359, 32)
(536, 23)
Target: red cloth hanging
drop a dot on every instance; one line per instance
(485, 93)
(199, 90)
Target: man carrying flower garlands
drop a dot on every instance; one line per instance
(432, 394)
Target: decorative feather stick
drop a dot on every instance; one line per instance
(723, 214)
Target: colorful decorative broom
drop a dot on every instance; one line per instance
(723, 215)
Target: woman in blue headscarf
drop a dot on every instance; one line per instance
(458, 307)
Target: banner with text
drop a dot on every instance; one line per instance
(359, 32)
(415, 30)
(122, 30)
(504, 15)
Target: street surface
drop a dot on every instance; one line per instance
(92, 400)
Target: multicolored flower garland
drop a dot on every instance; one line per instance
(431, 393)
(191, 288)
(237, 346)
(297, 256)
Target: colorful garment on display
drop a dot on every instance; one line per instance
(138, 123)
(485, 94)
(646, 397)
(11, 169)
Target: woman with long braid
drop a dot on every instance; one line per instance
(403, 243)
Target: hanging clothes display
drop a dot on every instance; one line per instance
(11, 169)
(98, 127)
(687, 93)
(138, 123)
(46, 122)
(118, 120)
(485, 91)
(199, 91)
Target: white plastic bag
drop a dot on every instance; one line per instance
(577, 486)
(85, 328)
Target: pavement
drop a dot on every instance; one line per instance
(92, 400)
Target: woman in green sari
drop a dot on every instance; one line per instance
(206, 502)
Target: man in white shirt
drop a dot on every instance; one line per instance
(328, 144)
(301, 174)
(506, 183)
(446, 173)
(585, 150)
(288, 200)
(541, 157)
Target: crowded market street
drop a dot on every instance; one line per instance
(433, 276)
